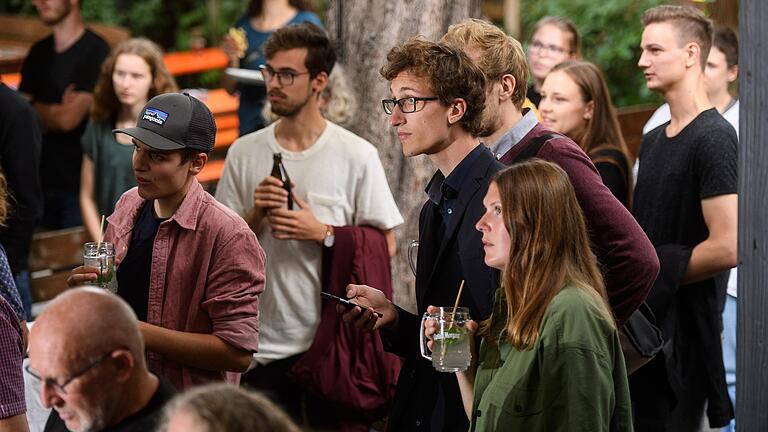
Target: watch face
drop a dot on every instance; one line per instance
(328, 240)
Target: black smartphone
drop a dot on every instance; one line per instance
(348, 303)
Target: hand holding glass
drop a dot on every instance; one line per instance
(451, 350)
(102, 256)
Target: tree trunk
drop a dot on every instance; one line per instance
(368, 30)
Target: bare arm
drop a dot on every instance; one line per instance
(203, 351)
(391, 242)
(88, 208)
(17, 423)
(718, 252)
(64, 116)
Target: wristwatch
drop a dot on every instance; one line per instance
(329, 237)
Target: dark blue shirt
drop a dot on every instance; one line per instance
(445, 193)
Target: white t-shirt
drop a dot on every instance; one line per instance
(661, 116)
(343, 181)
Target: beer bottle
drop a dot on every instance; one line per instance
(279, 172)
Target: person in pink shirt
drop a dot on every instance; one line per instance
(190, 268)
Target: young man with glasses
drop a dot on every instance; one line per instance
(91, 367)
(436, 105)
(337, 181)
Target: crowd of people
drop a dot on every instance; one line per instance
(534, 221)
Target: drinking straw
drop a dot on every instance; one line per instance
(101, 236)
(456, 303)
(98, 248)
(453, 314)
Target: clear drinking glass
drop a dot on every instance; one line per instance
(450, 344)
(413, 253)
(102, 256)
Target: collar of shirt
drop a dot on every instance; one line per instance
(452, 184)
(515, 134)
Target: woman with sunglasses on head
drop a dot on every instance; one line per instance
(243, 46)
(550, 357)
(575, 102)
(132, 74)
(554, 40)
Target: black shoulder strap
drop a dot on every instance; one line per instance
(533, 148)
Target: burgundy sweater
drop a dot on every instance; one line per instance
(627, 257)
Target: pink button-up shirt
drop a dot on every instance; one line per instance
(206, 277)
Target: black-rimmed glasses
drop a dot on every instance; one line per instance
(284, 77)
(61, 388)
(406, 104)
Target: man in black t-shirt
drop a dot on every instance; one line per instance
(91, 366)
(686, 202)
(58, 77)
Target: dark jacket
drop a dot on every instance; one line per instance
(343, 364)
(426, 399)
(623, 250)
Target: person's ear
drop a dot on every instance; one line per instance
(693, 55)
(589, 110)
(198, 163)
(456, 111)
(508, 83)
(732, 74)
(123, 363)
(319, 82)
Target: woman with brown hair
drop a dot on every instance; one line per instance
(575, 102)
(554, 39)
(550, 358)
(132, 74)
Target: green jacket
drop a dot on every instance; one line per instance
(574, 378)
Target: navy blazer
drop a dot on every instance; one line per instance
(442, 264)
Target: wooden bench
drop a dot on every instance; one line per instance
(632, 119)
(52, 256)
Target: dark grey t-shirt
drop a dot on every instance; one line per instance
(677, 173)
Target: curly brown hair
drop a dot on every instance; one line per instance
(451, 75)
(105, 102)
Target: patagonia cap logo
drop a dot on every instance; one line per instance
(155, 116)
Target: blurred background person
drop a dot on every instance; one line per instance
(262, 18)
(575, 102)
(553, 40)
(222, 407)
(58, 77)
(20, 141)
(131, 75)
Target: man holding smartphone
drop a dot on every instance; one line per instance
(436, 106)
(338, 181)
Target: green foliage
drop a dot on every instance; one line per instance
(610, 38)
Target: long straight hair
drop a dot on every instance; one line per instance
(603, 131)
(549, 247)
